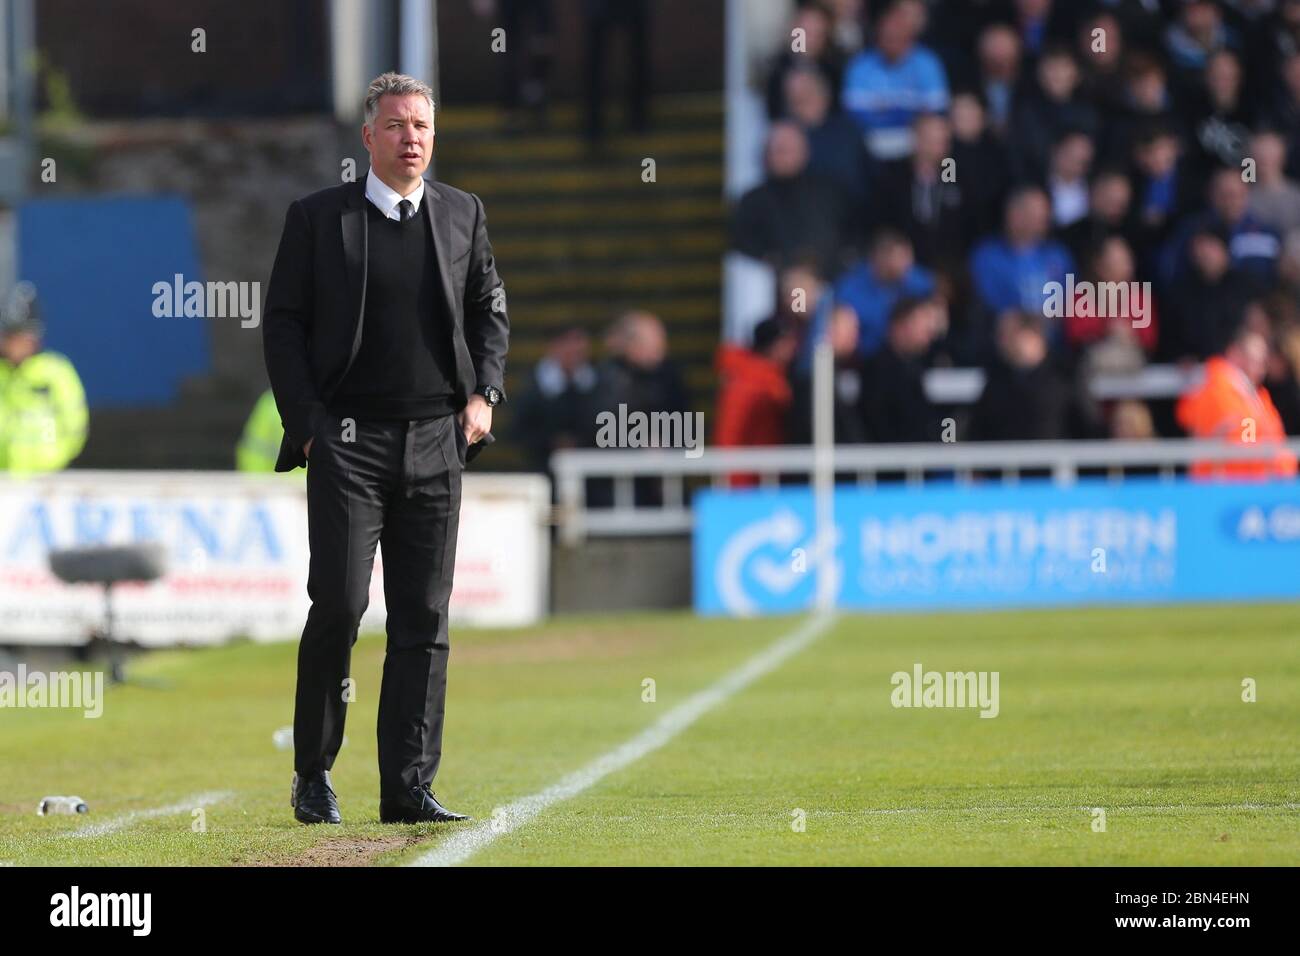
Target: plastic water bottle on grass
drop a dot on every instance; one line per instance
(52, 805)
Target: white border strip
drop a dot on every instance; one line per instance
(463, 844)
(1128, 808)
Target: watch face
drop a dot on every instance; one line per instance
(492, 394)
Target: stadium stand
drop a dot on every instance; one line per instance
(583, 237)
(962, 148)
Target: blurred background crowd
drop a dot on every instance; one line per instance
(931, 167)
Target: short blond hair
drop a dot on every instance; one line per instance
(397, 84)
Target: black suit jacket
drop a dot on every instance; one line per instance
(315, 302)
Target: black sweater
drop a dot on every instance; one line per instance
(404, 368)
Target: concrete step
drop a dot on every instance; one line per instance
(667, 112)
(545, 315)
(560, 149)
(625, 182)
(604, 213)
(613, 281)
(691, 243)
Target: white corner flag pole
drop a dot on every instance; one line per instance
(823, 386)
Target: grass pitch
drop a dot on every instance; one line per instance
(1135, 711)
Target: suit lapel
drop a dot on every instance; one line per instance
(440, 229)
(355, 247)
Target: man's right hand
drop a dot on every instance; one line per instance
(306, 449)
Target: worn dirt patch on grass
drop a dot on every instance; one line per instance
(346, 851)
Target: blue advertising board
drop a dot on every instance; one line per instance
(94, 262)
(1032, 544)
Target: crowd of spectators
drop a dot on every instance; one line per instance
(933, 168)
(571, 387)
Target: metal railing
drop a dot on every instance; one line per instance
(960, 461)
(963, 386)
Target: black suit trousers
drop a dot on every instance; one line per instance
(396, 484)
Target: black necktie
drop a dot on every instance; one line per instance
(407, 209)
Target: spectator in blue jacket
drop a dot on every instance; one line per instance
(1010, 271)
(1255, 248)
(873, 287)
(887, 86)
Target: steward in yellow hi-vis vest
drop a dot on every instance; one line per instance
(260, 444)
(43, 415)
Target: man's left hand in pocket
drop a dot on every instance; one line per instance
(475, 418)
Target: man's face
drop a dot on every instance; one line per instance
(647, 345)
(807, 98)
(1111, 196)
(1201, 18)
(1058, 76)
(787, 151)
(401, 141)
(999, 52)
(1072, 158)
(1110, 28)
(1210, 256)
(1223, 77)
(815, 28)
(1028, 348)
(801, 289)
(1159, 156)
(843, 331)
(894, 35)
(967, 117)
(1291, 75)
(1229, 196)
(1148, 90)
(784, 349)
(1028, 217)
(571, 350)
(17, 347)
(933, 139)
(1115, 264)
(1251, 356)
(1269, 151)
(891, 261)
(913, 335)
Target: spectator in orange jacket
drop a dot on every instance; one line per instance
(1233, 405)
(754, 395)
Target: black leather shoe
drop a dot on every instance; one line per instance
(313, 799)
(418, 806)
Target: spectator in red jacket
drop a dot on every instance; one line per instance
(754, 393)
(1114, 303)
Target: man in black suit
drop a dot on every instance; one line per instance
(385, 337)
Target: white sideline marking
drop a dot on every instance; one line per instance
(113, 824)
(463, 844)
